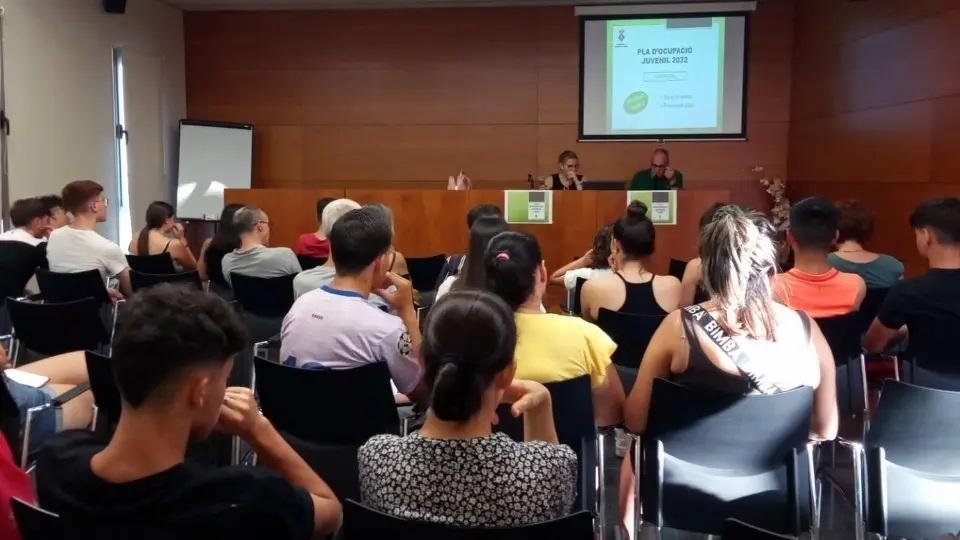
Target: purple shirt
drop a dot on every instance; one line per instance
(333, 329)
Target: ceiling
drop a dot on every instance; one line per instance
(262, 5)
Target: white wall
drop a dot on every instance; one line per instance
(58, 57)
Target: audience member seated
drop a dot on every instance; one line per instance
(77, 247)
(455, 470)
(930, 302)
(691, 286)
(59, 374)
(58, 214)
(31, 221)
(398, 263)
(813, 285)
(631, 289)
(454, 263)
(315, 244)
(472, 274)
(155, 238)
(317, 277)
(596, 262)
(855, 229)
(776, 348)
(210, 263)
(253, 257)
(173, 389)
(334, 327)
(567, 179)
(550, 347)
(14, 481)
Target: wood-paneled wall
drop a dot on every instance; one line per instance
(876, 108)
(349, 99)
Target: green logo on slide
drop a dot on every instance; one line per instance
(636, 102)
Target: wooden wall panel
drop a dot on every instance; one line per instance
(874, 109)
(404, 98)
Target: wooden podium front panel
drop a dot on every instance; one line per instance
(428, 222)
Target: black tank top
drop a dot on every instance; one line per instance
(639, 298)
(702, 373)
(558, 184)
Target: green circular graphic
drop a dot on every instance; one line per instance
(636, 102)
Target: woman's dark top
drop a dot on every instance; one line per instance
(557, 184)
(639, 298)
(702, 373)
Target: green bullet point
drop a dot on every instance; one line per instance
(636, 102)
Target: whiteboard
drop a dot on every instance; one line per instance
(213, 156)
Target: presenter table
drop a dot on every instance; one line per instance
(429, 222)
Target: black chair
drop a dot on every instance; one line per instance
(632, 334)
(573, 298)
(843, 334)
(871, 305)
(572, 402)
(307, 262)
(424, 271)
(265, 301)
(677, 268)
(70, 286)
(55, 403)
(161, 263)
(362, 523)
(18, 263)
(912, 464)
(292, 399)
(336, 463)
(47, 329)
(106, 396)
(140, 280)
(734, 529)
(725, 455)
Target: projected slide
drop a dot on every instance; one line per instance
(665, 73)
(662, 77)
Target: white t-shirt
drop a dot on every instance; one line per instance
(20, 235)
(570, 278)
(77, 250)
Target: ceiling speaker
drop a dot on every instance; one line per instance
(115, 6)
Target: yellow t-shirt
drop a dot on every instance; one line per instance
(552, 348)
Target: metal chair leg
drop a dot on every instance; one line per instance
(96, 416)
(25, 451)
(814, 500)
(858, 492)
(599, 480)
(637, 502)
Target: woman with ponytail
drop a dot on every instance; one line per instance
(455, 470)
(779, 349)
(633, 288)
(551, 347)
(162, 234)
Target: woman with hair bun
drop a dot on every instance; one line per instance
(551, 347)
(779, 349)
(455, 470)
(162, 234)
(632, 288)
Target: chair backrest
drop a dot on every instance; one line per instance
(843, 334)
(104, 387)
(346, 406)
(70, 286)
(336, 463)
(631, 333)
(424, 271)
(140, 280)
(576, 308)
(56, 328)
(18, 262)
(360, 522)
(720, 453)
(161, 263)
(36, 524)
(572, 402)
(911, 462)
(266, 297)
(307, 262)
(871, 305)
(677, 268)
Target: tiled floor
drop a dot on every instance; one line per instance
(836, 520)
